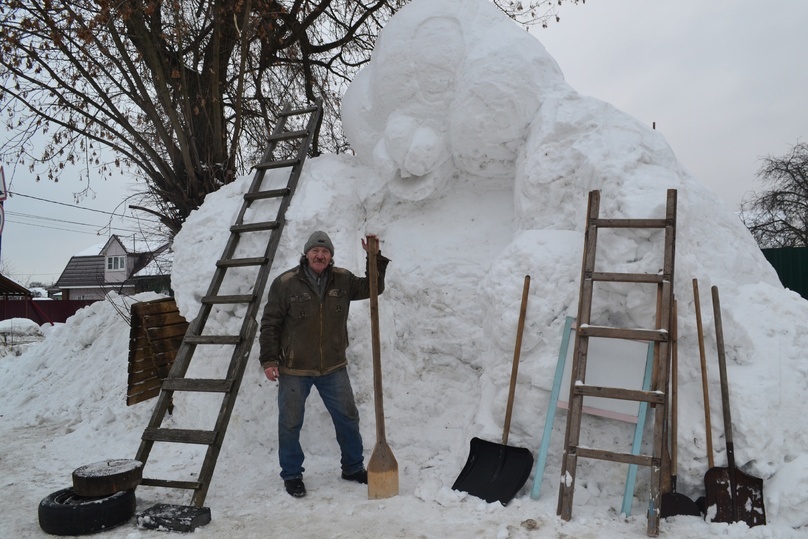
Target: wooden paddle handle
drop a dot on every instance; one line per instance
(516, 353)
(708, 429)
(373, 276)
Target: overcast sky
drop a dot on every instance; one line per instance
(724, 81)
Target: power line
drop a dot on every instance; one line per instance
(62, 229)
(29, 216)
(14, 193)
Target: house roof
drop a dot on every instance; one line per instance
(82, 271)
(87, 270)
(10, 288)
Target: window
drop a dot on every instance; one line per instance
(116, 263)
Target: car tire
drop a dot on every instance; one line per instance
(65, 513)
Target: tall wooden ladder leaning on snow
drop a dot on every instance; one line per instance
(656, 396)
(292, 142)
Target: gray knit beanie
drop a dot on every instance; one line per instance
(319, 239)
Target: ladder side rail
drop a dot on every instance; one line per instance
(564, 506)
(241, 355)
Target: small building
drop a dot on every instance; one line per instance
(116, 266)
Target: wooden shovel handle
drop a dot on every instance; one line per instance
(722, 370)
(516, 353)
(705, 389)
(373, 275)
(674, 388)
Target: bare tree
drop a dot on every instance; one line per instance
(181, 91)
(778, 217)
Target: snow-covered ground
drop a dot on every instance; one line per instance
(474, 161)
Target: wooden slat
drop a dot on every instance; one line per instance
(613, 456)
(212, 339)
(287, 135)
(656, 335)
(254, 227)
(161, 332)
(167, 346)
(242, 262)
(653, 397)
(276, 164)
(654, 278)
(145, 308)
(271, 193)
(221, 300)
(168, 483)
(181, 436)
(630, 223)
(298, 112)
(163, 319)
(198, 384)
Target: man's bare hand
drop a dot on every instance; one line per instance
(366, 244)
(271, 373)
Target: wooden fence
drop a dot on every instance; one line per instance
(41, 311)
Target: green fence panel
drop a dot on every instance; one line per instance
(791, 264)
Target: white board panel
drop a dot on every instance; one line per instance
(610, 363)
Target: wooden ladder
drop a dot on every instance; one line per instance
(293, 146)
(656, 395)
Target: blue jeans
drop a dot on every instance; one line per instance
(335, 390)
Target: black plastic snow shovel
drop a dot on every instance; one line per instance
(496, 472)
(674, 503)
(736, 496)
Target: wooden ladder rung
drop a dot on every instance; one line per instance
(180, 436)
(281, 163)
(298, 112)
(656, 335)
(241, 262)
(271, 193)
(617, 393)
(654, 278)
(168, 483)
(254, 227)
(630, 223)
(212, 339)
(219, 300)
(287, 135)
(614, 456)
(198, 384)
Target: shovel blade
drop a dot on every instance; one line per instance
(382, 473)
(744, 503)
(494, 472)
(673, 503)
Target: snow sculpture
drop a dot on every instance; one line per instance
(445, 94)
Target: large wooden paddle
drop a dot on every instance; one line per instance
(382, 468)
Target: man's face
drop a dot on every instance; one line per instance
(319, 258)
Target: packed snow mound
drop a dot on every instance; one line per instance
(467, 205)
(20, 326)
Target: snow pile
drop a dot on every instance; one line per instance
(474, 161)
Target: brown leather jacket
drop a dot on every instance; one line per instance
(303, 334)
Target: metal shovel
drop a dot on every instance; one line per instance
(737, 497)
(496, 472)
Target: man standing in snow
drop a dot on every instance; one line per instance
(304, 335)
